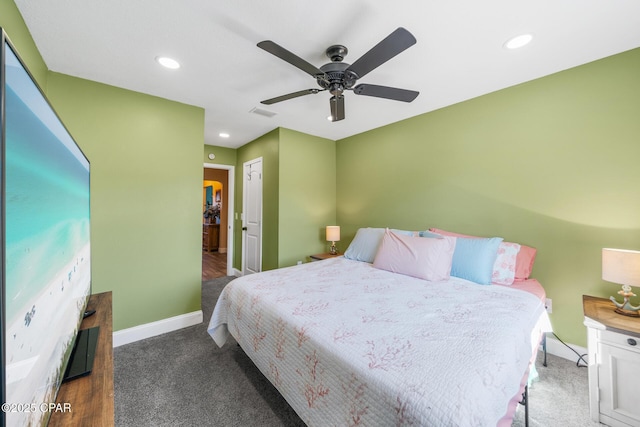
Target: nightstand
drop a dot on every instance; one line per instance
(614, 363)
(320, 257)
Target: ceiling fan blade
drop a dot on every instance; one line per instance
(386, 92)
(393, 44)
(337, 108)
(290, 96)
(291, 58)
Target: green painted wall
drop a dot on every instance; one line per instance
(551, 163)
(146, 183)
(307, 195)
(224, 155)
(13, 24)
(267, 147)
(299, 195)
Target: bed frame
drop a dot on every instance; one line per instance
(525, 393)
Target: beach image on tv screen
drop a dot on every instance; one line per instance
(47, 256)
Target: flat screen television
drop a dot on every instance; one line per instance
(45, 233)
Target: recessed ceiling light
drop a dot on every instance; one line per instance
(167, 62)
(223, 135)
(518, 41)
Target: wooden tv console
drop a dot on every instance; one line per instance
(90, 398)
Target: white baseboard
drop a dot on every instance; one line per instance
(556, 348)
(148, 330)
(237, 272)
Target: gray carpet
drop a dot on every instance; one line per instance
(183, 379)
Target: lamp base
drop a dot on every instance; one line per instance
(630, 313)
(332, 249)
(626, 308)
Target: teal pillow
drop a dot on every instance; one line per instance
(473, 259)
(364, 245)
(403, 232)
(430, 234)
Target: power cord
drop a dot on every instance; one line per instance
(580, 356)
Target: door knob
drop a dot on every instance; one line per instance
(244, 228)
(631, 341)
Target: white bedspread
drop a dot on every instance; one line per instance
(348, 344)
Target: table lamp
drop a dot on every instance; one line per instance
(622, 266)
(333, 236)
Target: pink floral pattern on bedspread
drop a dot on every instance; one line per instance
(348, 345)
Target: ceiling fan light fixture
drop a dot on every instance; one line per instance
(168, 62)
(518, 41)
(223, 135)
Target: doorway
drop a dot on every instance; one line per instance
(217, 221)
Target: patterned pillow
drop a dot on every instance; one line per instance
(504, 269)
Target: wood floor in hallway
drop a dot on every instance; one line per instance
(214, 265)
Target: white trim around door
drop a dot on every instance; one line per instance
(230, 211)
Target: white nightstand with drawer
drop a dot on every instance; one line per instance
(614, 363)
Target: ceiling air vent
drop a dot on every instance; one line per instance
(261, 112)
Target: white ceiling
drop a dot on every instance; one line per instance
(459, 54)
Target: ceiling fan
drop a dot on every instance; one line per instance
(338, 76)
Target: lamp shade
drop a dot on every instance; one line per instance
(621, 266)
(333, 233)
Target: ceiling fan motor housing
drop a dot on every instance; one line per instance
(336, 77)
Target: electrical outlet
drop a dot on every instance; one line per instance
(549, 305)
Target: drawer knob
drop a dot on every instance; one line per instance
(631, 341)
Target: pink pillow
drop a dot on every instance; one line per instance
(524, 262)
(424, 258)
(524, 259)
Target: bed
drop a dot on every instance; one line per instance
(347, 343)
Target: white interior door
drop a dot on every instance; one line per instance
(252, 217)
